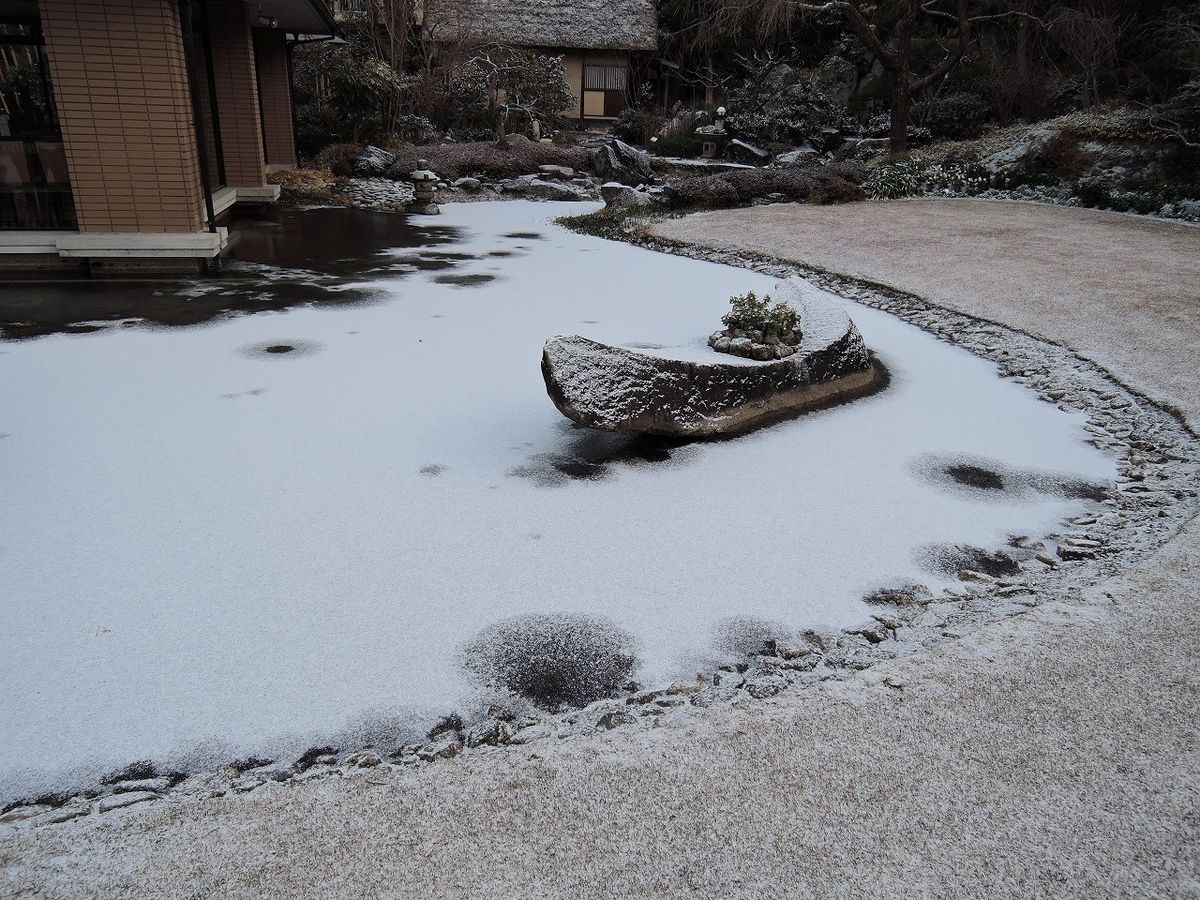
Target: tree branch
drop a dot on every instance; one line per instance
(944, 67)
(862, 27)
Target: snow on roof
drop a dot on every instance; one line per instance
(584, 24)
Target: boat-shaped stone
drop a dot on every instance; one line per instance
(694, 391)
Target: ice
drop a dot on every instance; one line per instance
(207, 550)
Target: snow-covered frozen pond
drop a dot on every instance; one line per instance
(208, 549)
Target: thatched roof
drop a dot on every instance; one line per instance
(582, 24)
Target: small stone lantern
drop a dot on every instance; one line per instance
(713, 137)
(424, 192)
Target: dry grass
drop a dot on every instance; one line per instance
(338, 159)
(305, 185)
(521, 157)
(819, 184)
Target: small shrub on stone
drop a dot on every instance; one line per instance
(757, 330)
(750, 312)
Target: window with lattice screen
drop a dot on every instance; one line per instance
(604, 90)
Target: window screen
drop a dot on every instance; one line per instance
(604, 78)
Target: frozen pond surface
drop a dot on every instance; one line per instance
(212, 545)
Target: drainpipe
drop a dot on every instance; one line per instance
(189, 52)
(291, 51)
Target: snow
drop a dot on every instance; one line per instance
(209, 551)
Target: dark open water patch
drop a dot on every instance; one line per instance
(950, 559)
(553, 659)
(280, 349)
(976, 477)
(476, 279)
(588, 454)
(987, 479)
(525, 235)
(308, 257)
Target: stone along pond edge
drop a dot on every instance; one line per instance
(1158, 464)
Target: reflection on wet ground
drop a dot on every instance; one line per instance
(316, 256)
(585, 453)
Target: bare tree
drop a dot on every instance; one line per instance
(894, 50)
(508, 80)
(888, 30)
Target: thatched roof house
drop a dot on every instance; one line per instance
(596, 38)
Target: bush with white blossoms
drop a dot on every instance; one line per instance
(912, 177)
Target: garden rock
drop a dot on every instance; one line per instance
(1032, 143)
(157, 785)
(120, 801)
(621, 196)
(446, 747)
(467, 184)
(21, 813)
(649, 391)
(557, 171)
(489, 731)
(801, 156)
(744, 152)
(64, 814)
(373, 162)
(616, 161)
(838, 77)
(553, 190)
(612, 720)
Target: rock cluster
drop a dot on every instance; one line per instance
(376, 186)
(544, 187)
(755, 344)
(377, 193)
(617, 161)
(621, 196)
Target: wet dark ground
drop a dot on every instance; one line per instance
(320, 256)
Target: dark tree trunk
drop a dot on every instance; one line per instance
(902, 87)
(502, 128)
(901, 111)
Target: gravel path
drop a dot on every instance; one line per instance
(1122, 290)
(1053, 754)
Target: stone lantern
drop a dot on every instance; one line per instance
(424, 192)
(713, 137)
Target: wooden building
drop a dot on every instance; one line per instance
(598, 39)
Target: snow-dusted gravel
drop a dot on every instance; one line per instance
(211, 548)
